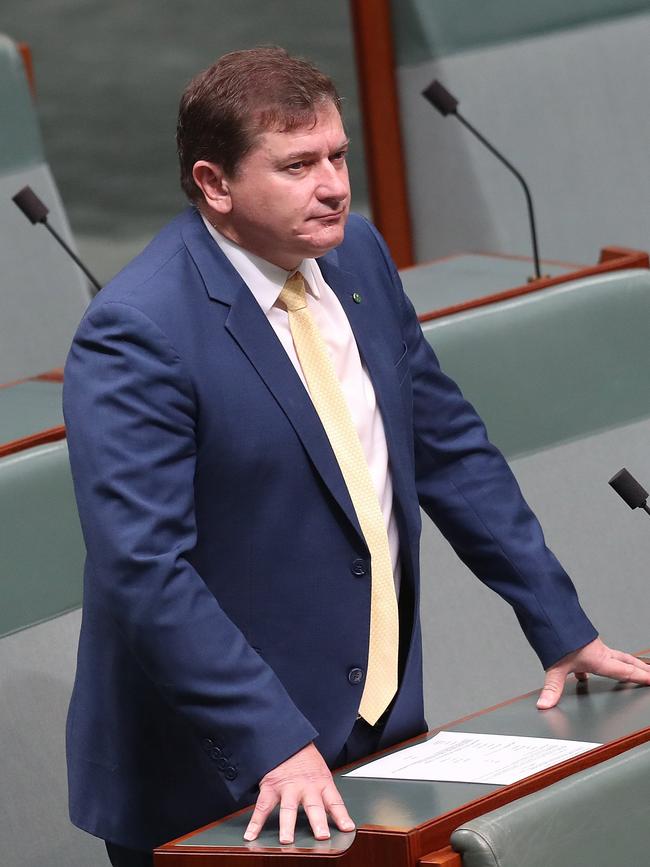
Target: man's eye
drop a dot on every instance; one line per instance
(339, 156)
(296, 167)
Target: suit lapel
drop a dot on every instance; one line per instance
(249, 326)
(252, 331)
(368, 334)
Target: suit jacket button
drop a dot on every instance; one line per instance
(355, 675)
(230, 773)
(215, 753)
(358, 567)
(207, 744)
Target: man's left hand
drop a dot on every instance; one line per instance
(594, 658)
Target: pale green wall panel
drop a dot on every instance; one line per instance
(425, 29)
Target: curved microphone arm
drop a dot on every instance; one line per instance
(445, 103)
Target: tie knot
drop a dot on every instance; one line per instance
(294, 292)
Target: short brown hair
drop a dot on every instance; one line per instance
(224, 108)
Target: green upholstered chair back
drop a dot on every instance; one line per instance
(43, 292)
(596, 818)
(41, 579)
(21, 146)
(554, 365)
(42, 549)
(27, 409)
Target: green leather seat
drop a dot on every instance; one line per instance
(21, 142)
(596, 818)
(554, 365)
(28, 408)
(42, 547)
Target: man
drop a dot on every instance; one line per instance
(254, 419)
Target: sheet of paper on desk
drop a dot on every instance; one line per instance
(463, 757)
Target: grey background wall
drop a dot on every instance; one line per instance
(108, 80)
(562, 89)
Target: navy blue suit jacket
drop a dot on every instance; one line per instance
(223, 611)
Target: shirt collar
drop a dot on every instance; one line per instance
(264, 279)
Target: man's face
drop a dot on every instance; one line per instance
(290, 197)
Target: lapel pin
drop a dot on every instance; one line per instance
(356, 298)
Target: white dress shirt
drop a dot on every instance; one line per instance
(265, 281)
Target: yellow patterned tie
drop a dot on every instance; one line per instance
(327, 396)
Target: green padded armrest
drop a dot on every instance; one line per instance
(467, 277)
(42, 546)
(28, 408)
(554, 365)
(596, 818)
(20, 138)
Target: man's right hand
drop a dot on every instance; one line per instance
(302, 780)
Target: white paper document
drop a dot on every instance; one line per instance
(463, 757)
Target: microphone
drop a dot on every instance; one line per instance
(36, 212)
(440, 98)
(627, 487)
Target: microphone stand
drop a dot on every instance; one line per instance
(446, 104)
(519, 176)
(36, 212)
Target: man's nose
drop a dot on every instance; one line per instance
(333, 182)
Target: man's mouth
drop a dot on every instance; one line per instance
(329, 217)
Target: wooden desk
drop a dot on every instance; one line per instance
(407, 824)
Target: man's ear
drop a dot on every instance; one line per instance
(212, 182)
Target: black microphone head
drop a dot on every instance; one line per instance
(627, 487)
(31, 206)
(440, 98)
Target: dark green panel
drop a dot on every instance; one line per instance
(20, 139)
(42, 547)
(425, 29)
